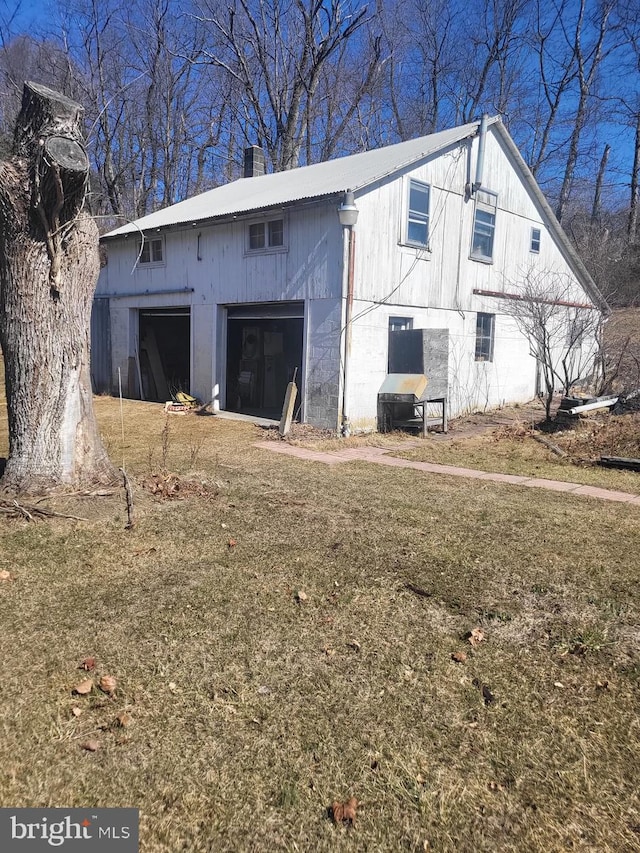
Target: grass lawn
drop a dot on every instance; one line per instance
(282, 638)
(513, 450)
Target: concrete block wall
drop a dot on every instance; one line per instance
(323, 380)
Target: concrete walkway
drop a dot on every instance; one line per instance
(381, 456)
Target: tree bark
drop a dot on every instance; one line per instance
(632, 225)
(48, 271)
(596, 210)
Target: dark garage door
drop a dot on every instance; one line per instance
(264, 350)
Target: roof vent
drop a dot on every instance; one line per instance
(253, 162)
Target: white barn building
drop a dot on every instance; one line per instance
(229, 293)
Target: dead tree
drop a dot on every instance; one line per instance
(48, 271)
(563, 331)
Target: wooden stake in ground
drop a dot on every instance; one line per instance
(128, 491)
(289, 405)
(48, 271)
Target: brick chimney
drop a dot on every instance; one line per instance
(253, 162)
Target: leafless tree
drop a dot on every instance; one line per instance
(563, 333)
(277, 52)
(8, 14)
(154, 116)
(173, 90)
(588, 59)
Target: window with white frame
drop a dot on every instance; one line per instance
(485, 335)
(416, 232)
(535, 240)
(265, 235)
(484, 226)
(152, 251)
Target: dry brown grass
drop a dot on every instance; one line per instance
(251, 711)
(513, 450)
(622, 343)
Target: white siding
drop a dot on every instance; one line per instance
(434, 286)
(214, 262)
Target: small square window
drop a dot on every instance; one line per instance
(484, 226)
(152, 252)
(417, 228)
(535, 240)
(485, 333)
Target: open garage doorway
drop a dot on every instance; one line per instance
(264, 351)
(164, 349)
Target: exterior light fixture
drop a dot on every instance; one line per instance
(348, 212)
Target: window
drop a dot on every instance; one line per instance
(400, 324)
(576, 330)
(275, 229)
(485, 328)
(484, 226)
(417, 233)
(266, 235)
(152, 252)
(535, 240)
(400, 352)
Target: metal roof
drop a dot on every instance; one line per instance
(333, 177)
(354, 172)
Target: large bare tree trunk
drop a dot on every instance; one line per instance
(48, 271)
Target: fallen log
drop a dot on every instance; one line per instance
(552, 447)
(626, 463)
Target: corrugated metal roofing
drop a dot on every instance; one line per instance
(333, 177)
(306, 182)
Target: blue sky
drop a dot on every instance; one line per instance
(34, 16)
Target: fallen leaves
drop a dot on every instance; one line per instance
(5, 576)
(459, 657)
(172, 487)
(475, 637)
(108, 684)
(301, 595)
(84, 688)
(232, 543)
(344, 812)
